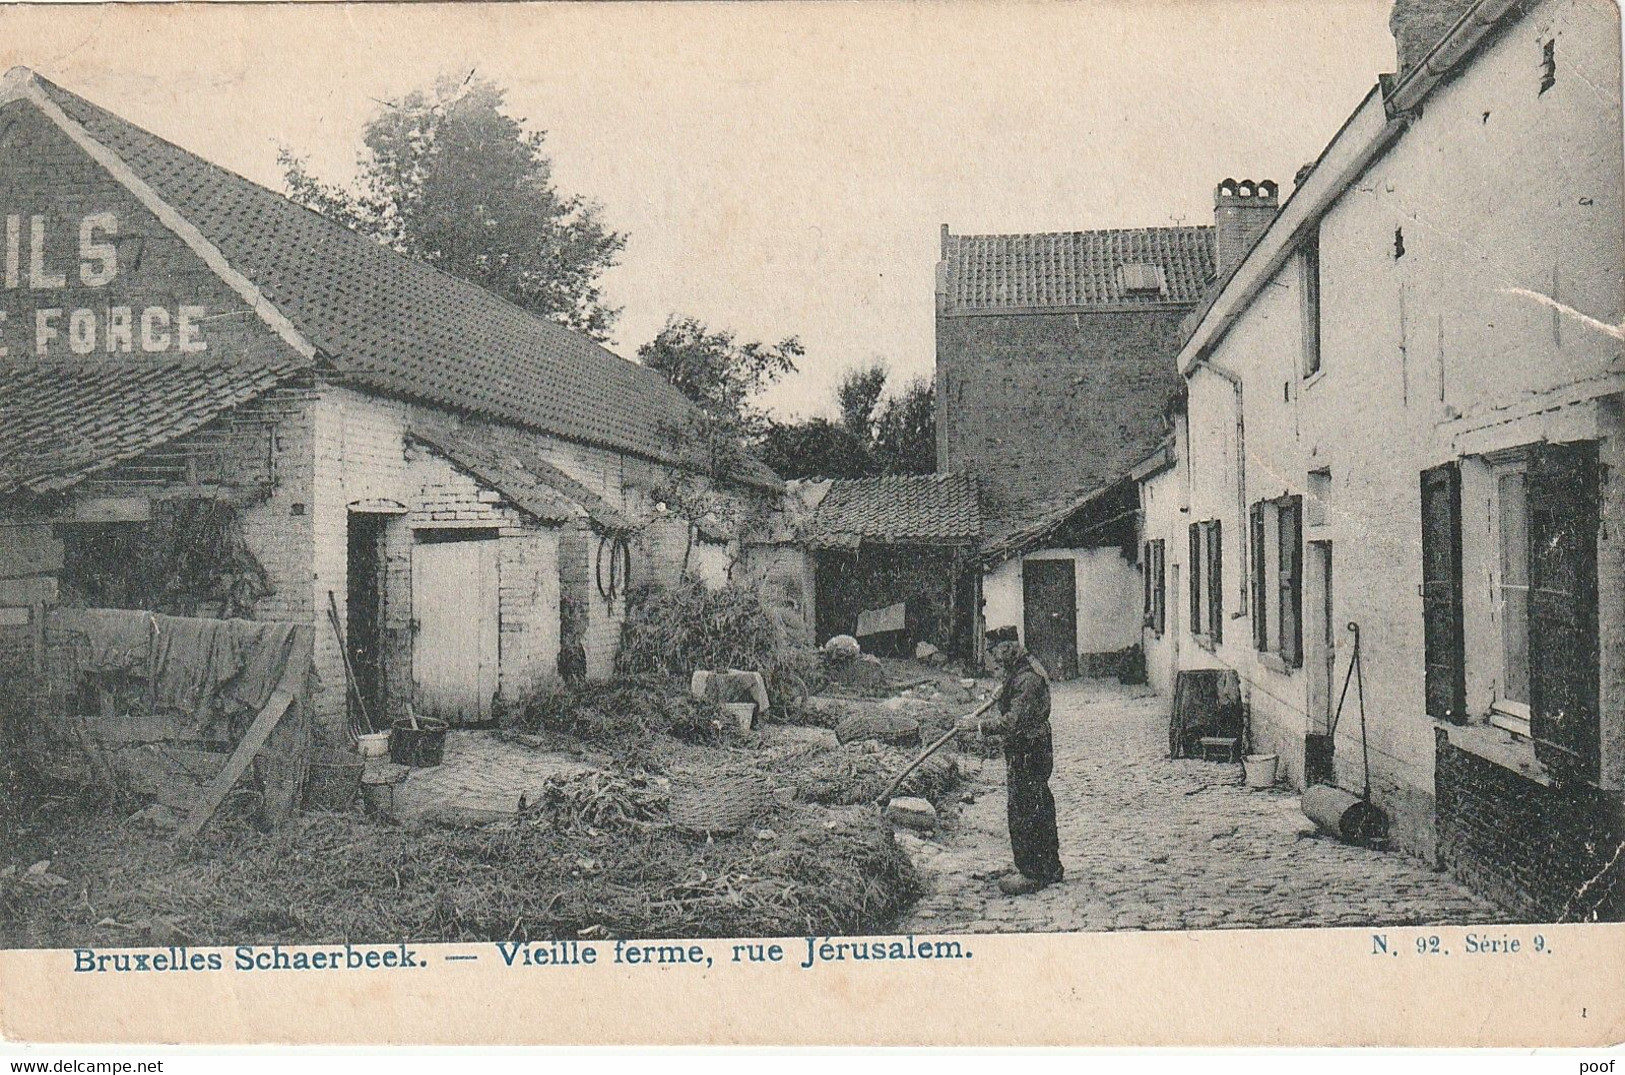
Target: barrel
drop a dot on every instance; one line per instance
(1347, 817)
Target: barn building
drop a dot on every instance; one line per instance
(216, 402)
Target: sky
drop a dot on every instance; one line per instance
(779, 169)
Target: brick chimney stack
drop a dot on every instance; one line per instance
(1418, 25)
(1242, 209)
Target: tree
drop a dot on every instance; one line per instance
(906, 430)
(717, 372)
(815, 448)
(448, 177)
(858, 395)
(875, 435)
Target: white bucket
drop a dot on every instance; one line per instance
(1259, 769)
(373, 744)
(743, 712)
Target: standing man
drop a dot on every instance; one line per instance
(1029, 754)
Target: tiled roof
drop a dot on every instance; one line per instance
(926, 508)
(395, 325)
(498, 456)
(62, 422)
(1076, 269)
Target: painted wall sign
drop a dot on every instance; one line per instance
(45, 254)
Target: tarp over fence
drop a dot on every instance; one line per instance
(154, 705)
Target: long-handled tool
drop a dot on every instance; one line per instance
(349, 671)
(886, 795)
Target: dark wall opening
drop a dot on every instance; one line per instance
(364, 606)
(935, 584)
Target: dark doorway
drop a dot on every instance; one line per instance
(1049, 599)
(364, 604)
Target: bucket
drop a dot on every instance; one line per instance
(373, 744)
(378, 785)
(1258, 770)
(743, 713)
(419, 747)
(334, 777)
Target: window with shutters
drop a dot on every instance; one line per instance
(1276, 541)
(1154, 568)
(1207, 581)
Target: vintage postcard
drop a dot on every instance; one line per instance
(971, 523)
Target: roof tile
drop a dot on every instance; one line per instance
(1075, 268)
(395, 325)
(62, 422)
(900, 508)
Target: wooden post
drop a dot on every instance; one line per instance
(253, 741)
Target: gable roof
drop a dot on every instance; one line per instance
(384, 321)
(62, 422)
(1075, 270)
(900, 509)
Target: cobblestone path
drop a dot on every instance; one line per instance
(1151, 843)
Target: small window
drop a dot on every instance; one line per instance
(1309, 262)
(1142, 279)
(1548, 65)
(1317, 510)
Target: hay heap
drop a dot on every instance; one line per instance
(592, 857)
(623, 713)
(674, 631)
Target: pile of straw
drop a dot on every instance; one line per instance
(335, 877)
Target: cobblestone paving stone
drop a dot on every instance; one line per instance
(1152, 843)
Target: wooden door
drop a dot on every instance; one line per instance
(454, 608)
(1049, 600)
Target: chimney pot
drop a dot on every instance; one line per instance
(1242, 209)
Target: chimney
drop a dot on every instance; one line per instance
(1418, 25)
(1242, 209)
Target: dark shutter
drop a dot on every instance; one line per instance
(1289, 522)
(1146, 568)
(1261, 632)
(1215, 582)
(1445, 683)
(1561, 493)
(1160, 596)
(1197, 574)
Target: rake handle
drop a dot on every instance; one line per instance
(886, 795)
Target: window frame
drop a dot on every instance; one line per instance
(1277, 582)
(1504, 713)
(1207, 581)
